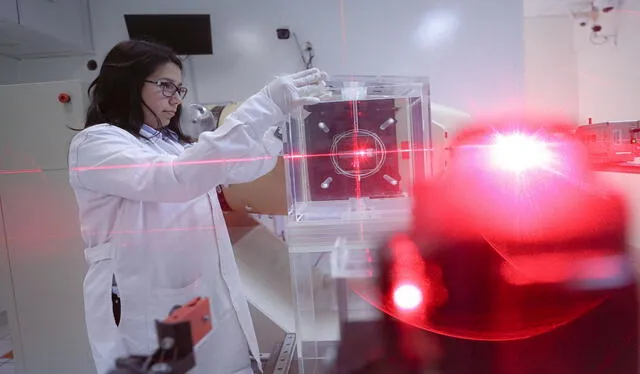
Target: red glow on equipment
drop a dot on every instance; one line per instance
(522, 182)
(504, 244)
(363, 158)
(415, 285)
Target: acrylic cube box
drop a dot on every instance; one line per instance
(351, 163)
(355, 156)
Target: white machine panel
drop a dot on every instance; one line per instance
(41, 229)
(8, 11)
(35, 121)
(47, 270)
(6, 288)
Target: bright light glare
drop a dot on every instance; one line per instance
(519, 152)
(407, 297)
(367, 152)
(437, 28)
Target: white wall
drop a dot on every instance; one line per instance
(471, 49)
(551, 79)
(8, 70)
(609, 77)
(568, 73)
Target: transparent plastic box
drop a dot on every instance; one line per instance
(351, 163)
(354, 157)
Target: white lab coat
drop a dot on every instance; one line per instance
(150, 215)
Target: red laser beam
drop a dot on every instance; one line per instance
(355, 154)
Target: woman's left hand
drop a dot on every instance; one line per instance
(293, 91)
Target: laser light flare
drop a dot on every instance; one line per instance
(407, 296)
(520, 152)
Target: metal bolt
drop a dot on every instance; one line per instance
(323, 126)
(387, 123)
(161, 367)
(390, 179)
(167, 343)
(324, 185)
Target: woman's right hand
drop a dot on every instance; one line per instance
(291, 92)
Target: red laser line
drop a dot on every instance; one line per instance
(355, 154)
(26, 171)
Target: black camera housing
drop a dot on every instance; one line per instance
(283, 33)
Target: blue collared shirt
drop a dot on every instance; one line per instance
(167, 136)
(165, 133)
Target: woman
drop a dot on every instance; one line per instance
(148, 208)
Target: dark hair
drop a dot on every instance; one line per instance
(116, 93)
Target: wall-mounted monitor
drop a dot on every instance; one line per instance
(187, 34)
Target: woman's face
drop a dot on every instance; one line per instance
(155, 93)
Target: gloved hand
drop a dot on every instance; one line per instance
(291, 92)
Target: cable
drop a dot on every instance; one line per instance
(308, 63)
(309, 49)
(299, 48)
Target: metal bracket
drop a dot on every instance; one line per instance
(280, 360)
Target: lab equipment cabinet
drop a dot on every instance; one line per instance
(42, 262)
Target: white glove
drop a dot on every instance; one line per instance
(291, 92)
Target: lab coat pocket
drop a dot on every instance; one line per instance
(224, 350)
(163, 299)
(104, 337)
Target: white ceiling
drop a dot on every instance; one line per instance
(542, 8)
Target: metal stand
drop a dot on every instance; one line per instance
(279, 361)
(343, 310)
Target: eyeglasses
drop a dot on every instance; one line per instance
(169, 89)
